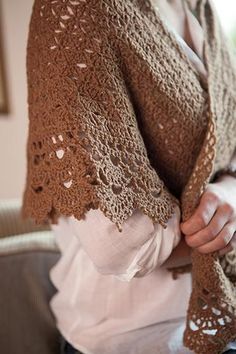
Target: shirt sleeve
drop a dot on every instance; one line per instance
(134, 252)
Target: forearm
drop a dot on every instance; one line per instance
(225, 171)
(138, 250)
(180, 256)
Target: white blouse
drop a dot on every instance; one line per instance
(113, 295)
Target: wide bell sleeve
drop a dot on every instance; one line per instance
(85, 148)
(138, 250)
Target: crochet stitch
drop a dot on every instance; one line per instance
(120, 119)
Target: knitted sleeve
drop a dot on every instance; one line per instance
(85, 149)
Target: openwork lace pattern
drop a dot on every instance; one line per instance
(119, 120)
(211, 317)
(85, 146)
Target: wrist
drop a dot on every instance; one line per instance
(180, 256)
(225, 178)
(227, 173)
(225, 184)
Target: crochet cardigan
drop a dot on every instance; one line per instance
(119, 118)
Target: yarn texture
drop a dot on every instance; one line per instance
(120, 119)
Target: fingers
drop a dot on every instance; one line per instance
(221, 240)
(202, 215)
(226, 249)
(212, 226)
(209, 233)
(229, 247)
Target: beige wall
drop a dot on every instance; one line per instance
(13, 128)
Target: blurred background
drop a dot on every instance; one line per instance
(27, 252)
(15, 16)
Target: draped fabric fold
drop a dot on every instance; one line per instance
(119, 119)
(211, 318)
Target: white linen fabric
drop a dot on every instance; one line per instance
(113, 295)
(112, 292)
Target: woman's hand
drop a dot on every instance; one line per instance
(212, 227)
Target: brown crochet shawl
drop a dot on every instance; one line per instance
(120, 119)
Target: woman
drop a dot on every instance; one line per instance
(115, 293)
